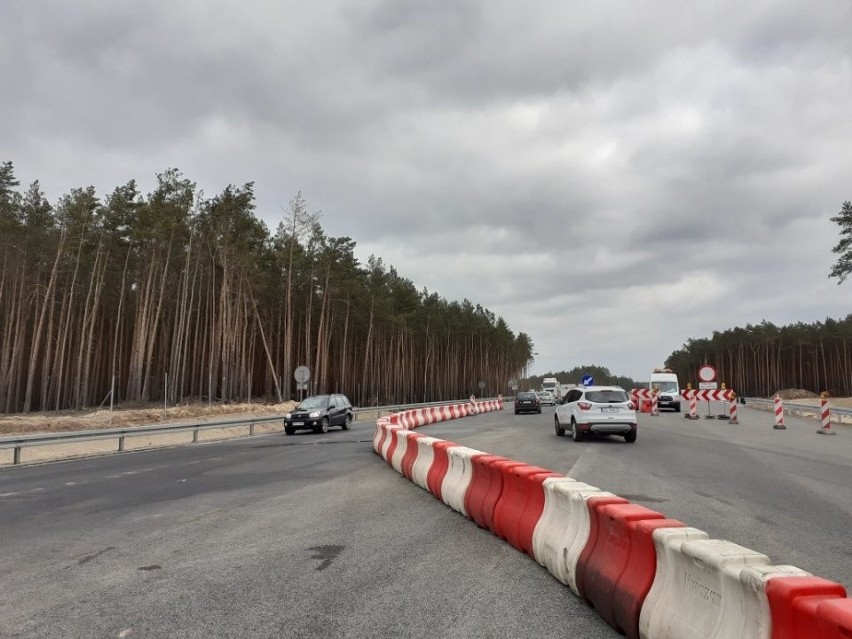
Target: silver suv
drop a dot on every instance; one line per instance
(596, 410)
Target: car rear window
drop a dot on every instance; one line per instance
(526, 396)
(607, 396)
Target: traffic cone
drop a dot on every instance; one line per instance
(825, 415)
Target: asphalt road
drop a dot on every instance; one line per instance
(315, 536)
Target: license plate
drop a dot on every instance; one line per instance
(610, 409)
(298, 423)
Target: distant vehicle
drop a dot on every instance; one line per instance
(550, 384)
(563, 390)
(664, 380)
(527, 402)
(596, 410)
(544, 397)
(319, 413)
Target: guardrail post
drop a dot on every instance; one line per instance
(16, 456)
(251, 429)
(194, 435)
(121, 443)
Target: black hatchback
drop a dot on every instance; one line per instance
(527, 402)
(319, 413)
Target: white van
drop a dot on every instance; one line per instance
(664, 380)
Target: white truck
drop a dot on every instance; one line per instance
(665, 381)
(551, 384)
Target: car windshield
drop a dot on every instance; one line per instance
(607, 396)
(526, 395)
(320, 401)
(666, 387)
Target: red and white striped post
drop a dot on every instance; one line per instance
(693, 402)
(733, 409)
(825, 415)
(654, 409)
(779, 414)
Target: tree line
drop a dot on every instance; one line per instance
(761, 359)
(177, 296)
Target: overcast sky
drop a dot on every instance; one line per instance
(611, 177)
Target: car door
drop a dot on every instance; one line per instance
(333, 411)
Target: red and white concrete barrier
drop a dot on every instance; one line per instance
(648, 577)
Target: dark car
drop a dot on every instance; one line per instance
(319, 413)
(527, 402)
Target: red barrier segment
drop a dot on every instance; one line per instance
(593, 504)
(410, 455)
(438, 470)
(638, 575)
(379, 437)
(797, 607)
(486, 485)
(394, 440)
(835, 619)
(499, 469)
(610, 550)
(480, 483)
(521, 504)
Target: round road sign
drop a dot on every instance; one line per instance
(706, 373)
(302, 374)
(587, 380)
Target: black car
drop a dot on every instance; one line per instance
(527, 402)
(318, 413)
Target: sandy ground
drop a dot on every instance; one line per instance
(137, 416)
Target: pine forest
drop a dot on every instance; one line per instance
(172, 296)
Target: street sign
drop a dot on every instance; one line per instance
(302, 386)
(587, 380)
(513, 382)
(708, 386)
(481, 385)
(302, 374)
(707, 373)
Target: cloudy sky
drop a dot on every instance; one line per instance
(611, 177)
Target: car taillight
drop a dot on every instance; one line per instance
(631, 405)
(584, 405)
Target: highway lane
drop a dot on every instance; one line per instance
(273, 536)
(315, 536)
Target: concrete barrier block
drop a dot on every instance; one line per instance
(457, 480)
(551, 525)
(423, 462)
(698, 590)
(610, 549)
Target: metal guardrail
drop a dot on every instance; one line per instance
(18, 442)
(802, 410)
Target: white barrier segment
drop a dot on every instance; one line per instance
(425, 457)
(387, 443)
(402, 436)
(550, 528)
(459, 473)
(381, 427)
(693, 600)
(745, 609)
(576, 533)
(663, 595)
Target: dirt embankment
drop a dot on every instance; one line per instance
(20, 424)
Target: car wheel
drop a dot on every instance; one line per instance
(289, 430)
(539, 411)
(560, 432)
(576, 434)
(677, 408)
(347, 423)
(323, 426)
(630, 437)
(517, 411)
